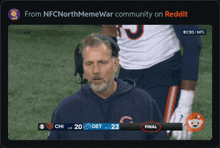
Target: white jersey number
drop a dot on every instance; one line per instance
(131, 35)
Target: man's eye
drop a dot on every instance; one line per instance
(88, 63)
(103, 62)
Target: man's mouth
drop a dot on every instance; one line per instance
(97, 79)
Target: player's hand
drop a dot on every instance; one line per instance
(179, 116)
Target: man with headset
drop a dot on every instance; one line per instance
(105, 99)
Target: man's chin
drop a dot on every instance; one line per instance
(97, 88)
(96, 84)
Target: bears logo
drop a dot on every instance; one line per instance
(49, 126)
(125, 118)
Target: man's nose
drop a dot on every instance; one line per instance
(96, 68)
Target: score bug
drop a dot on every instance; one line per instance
(78, 126)
(114, 126)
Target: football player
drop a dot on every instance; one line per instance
(150, 55)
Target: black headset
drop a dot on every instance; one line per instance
(79, 60)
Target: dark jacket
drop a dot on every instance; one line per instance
(85, 106)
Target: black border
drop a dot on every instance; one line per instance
(206, 12)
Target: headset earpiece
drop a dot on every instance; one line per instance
(78, 61)
(114, 45)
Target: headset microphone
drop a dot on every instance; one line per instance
(84, 81)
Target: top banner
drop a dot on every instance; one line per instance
(114, 12)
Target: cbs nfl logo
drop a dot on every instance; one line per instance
(14, 14)
(41, 126)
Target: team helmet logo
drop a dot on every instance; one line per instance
(195, 122)
(14, 14)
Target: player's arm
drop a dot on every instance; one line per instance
(109, 30)
(190, 58)
(190, 62)
(189, 73)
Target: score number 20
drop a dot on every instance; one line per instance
(114, 126)
(78, 126)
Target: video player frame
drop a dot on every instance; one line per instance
(199, 13)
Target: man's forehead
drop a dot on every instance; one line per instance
(97, 50)
(97, 46)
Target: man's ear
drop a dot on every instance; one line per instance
(116, 63)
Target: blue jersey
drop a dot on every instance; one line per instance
(85, 106)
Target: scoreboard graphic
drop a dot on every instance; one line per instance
(150, 126)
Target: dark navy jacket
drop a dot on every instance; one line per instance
(85, 106)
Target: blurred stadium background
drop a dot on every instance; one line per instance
(40, 75)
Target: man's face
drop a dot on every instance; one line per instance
(99, 67)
